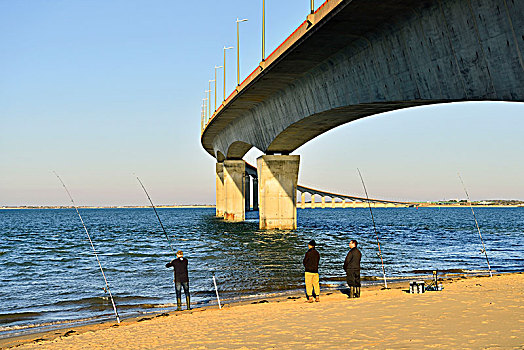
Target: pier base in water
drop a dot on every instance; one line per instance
(277, 179)
(234, 190)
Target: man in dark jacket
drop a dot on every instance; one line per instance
(352, 268)
(181, 279)
(311, 264)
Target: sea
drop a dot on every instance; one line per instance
(50, 278)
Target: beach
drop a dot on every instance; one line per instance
(469, 313)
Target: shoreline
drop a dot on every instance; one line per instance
(317, 206)
(327, 285)
(62, 330)
(67, 331)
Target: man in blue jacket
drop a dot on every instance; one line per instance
(181, 279)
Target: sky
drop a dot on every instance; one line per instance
(101, 90)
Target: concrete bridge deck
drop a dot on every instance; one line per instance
(356, 58)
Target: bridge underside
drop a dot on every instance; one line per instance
(358, 58)
(368, 57)
(310, 127)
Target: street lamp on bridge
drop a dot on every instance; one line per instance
(312, 6)
(202, 116)
(264, 29)
(205, 108)
(209, 98)
(216, 67)
(225, 48)
(238, 49)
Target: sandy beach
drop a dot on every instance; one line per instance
(470, 313)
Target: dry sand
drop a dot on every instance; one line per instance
(472, 313)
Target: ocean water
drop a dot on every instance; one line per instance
(49, 275)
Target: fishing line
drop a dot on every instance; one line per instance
(158, 217)
(92, 246)
(375, 229)
(476, 223)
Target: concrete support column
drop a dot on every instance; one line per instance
(323, 202)
(278, 176)
(220, 199)
(332, 202)
(247, 192)
(234, 190)
(312, 201)
(303, 200)
(343, 203)
(255, 193)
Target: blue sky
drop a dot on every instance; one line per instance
(99, 90)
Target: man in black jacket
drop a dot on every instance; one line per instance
(181, 279)
(352, 268)
(311, 276)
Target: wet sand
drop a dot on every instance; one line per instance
(470, 313)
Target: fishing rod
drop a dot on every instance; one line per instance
(476, 223)
(216, 290)
(158, 217)
(92, 246)
(375, 229)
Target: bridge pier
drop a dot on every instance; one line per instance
(247, 192)
(277, 178)
(220, 199)
(234, 190)
(255, 193)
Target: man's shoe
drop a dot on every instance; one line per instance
(317, 299)
(188, 303)
(311, 300)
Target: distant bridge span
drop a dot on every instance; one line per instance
(252, 172)
(356, 58)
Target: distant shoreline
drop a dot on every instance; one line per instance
(327, 206)
(112, 207)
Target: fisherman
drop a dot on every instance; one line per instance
(311, 276)
(352, 268)
(181, 279)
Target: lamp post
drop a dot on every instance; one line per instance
(216, 85)
(225, 48)
(206, 103)
(209, 98)
(312, 6)
(264, 29)
(202, 116)
(238, 50)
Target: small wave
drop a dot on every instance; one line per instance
(18, 316)
(443, 271)
(102, 300)
(8, 331)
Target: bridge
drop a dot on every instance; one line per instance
(348, 60)
(249, 190)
